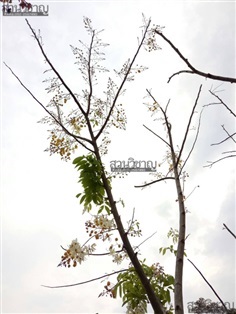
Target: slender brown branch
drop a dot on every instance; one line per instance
(194, 143)
(223, 103)
(90, 74)
(131, 222)
(76, 137)
(157, 135)
(123, 82)
(155, 181)
(146, 239)
(209, 285)
(211, 163)
(55, 71)
(188, 126)
(87, 281)
(230, 136)
(193, 69)
(229, 231)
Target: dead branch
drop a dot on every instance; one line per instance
(229, 230)
(191, 67)
(211, 163)
(157, 135)
(87, 281)
(230, 136)
(194, 143)
(188, 126)
(223, 103)
(155, 181)
(209, 285)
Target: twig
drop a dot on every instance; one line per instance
(209, 285)
(87, 281)
(229, 231)
(157, 135)
(123, 82)
(214, 162)
(198, 186)
(193, 70)
(188, 126)
(90, 74)
(230, 136)
(194, 143)
(146, 239)
(155, 181)
(224, 104)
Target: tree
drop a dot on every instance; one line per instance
(207, 306)
(93, 116)
(88, 126)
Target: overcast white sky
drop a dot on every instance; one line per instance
(40, 210)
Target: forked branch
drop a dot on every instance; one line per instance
(123, 81)
(193, 70)
(77, 138)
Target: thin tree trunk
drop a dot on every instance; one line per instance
(154, 300)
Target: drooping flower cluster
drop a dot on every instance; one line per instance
(118, 255)
(100, 227)
(76, 253)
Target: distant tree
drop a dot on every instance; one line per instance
(207, 306)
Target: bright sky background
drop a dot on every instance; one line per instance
(40, 210)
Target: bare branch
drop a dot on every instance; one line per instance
(224, 104)
(192, 192)
(90, 74)
(209, 285)
(155, 181)
(188, 126)
(131, 222)
(230, 136)
(76, 137)
(146, 239)
(157, 135)
(87, 281)
(194, 143)
(229, 231)
(123, 82)
(194, 70)
(214, 162)
(179, 72)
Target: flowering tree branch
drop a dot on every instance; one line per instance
(90, 114)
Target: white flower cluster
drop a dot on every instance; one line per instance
(104, 223)
(118, 257)
(76, 253)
